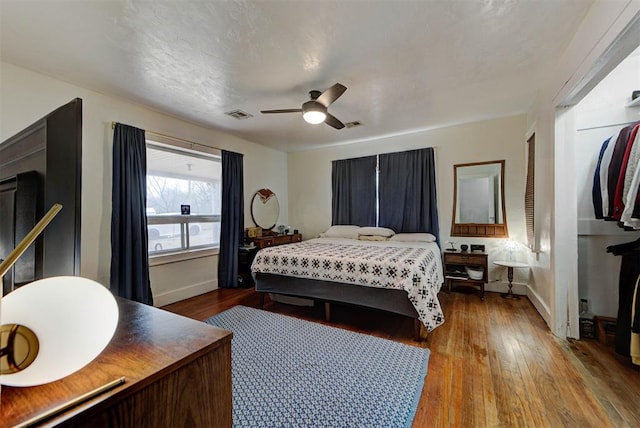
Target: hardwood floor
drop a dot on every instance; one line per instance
(492, 363)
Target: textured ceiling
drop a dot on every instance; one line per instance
(408, 65)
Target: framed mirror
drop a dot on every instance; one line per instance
(265, 209)
(478, 200)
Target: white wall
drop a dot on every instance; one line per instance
(556, 224)
(309, 178)
(26, 96)
(596, 118)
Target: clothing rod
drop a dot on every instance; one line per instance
(182, 140)
(607, 126)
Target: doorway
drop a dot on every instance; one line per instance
(596, 109)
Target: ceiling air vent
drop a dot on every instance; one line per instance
(239, 114)
(353, 124)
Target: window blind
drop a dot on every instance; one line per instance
(529, 194)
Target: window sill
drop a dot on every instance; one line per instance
(182, 256)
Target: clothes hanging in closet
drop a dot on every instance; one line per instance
(597, 181)
(616, 181)
(613, 171)
(618, 202)
(628, 318)
(631, 189)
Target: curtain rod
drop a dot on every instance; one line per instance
(388, 153)
(182, 140)
(607, 126)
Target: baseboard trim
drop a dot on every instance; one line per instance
(523, 289)
(183, 293)
(540, 306)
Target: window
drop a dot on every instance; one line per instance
(394, 190)
(178, 176)
(529, 194)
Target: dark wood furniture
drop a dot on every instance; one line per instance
(454, 268)
(273, 240)
(177, 373)
(245, 258)
(50, 150)
(247, 254)
(480, 230)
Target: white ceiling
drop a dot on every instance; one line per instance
(408, 65)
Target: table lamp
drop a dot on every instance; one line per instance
(510, 246)
(52, 327)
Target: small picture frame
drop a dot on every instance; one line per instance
(185, 209)
(254, 232)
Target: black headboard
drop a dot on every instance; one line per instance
(40, 166)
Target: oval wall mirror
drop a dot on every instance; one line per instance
(478, 200)
(265, 209)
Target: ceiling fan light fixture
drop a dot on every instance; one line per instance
(314, 117)
(313, 112)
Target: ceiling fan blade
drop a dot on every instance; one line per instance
(331, 94)
(331, 120)
(286, 110)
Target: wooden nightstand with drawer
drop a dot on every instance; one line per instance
(455, 269)
(247, 254)
(274, 240)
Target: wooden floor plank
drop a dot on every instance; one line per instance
(493, 362)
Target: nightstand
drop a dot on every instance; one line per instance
(455, 263)
(245, 258)
(246, 254)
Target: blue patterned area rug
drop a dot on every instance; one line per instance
(288, 372)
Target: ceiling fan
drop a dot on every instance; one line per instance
(315, 110)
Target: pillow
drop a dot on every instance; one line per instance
(413, 237)
(341, 231)
(372, 238)
(376, 231)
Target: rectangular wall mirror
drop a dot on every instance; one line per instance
(478, 200)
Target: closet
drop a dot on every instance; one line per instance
(607, 252)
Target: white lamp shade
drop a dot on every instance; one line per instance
(314, 117)
(511, 245)
(73, 318)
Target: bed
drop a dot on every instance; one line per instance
(394, 276)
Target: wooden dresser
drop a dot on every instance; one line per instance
(273, 240)
(247, 254)
(177, 373)
(454, 268)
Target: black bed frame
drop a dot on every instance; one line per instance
(389, 300)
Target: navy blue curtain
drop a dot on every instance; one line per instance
(129, 240)
(232, 219)
(353, 184)
(407, 192)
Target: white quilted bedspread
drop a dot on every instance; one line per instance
(413, 267)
